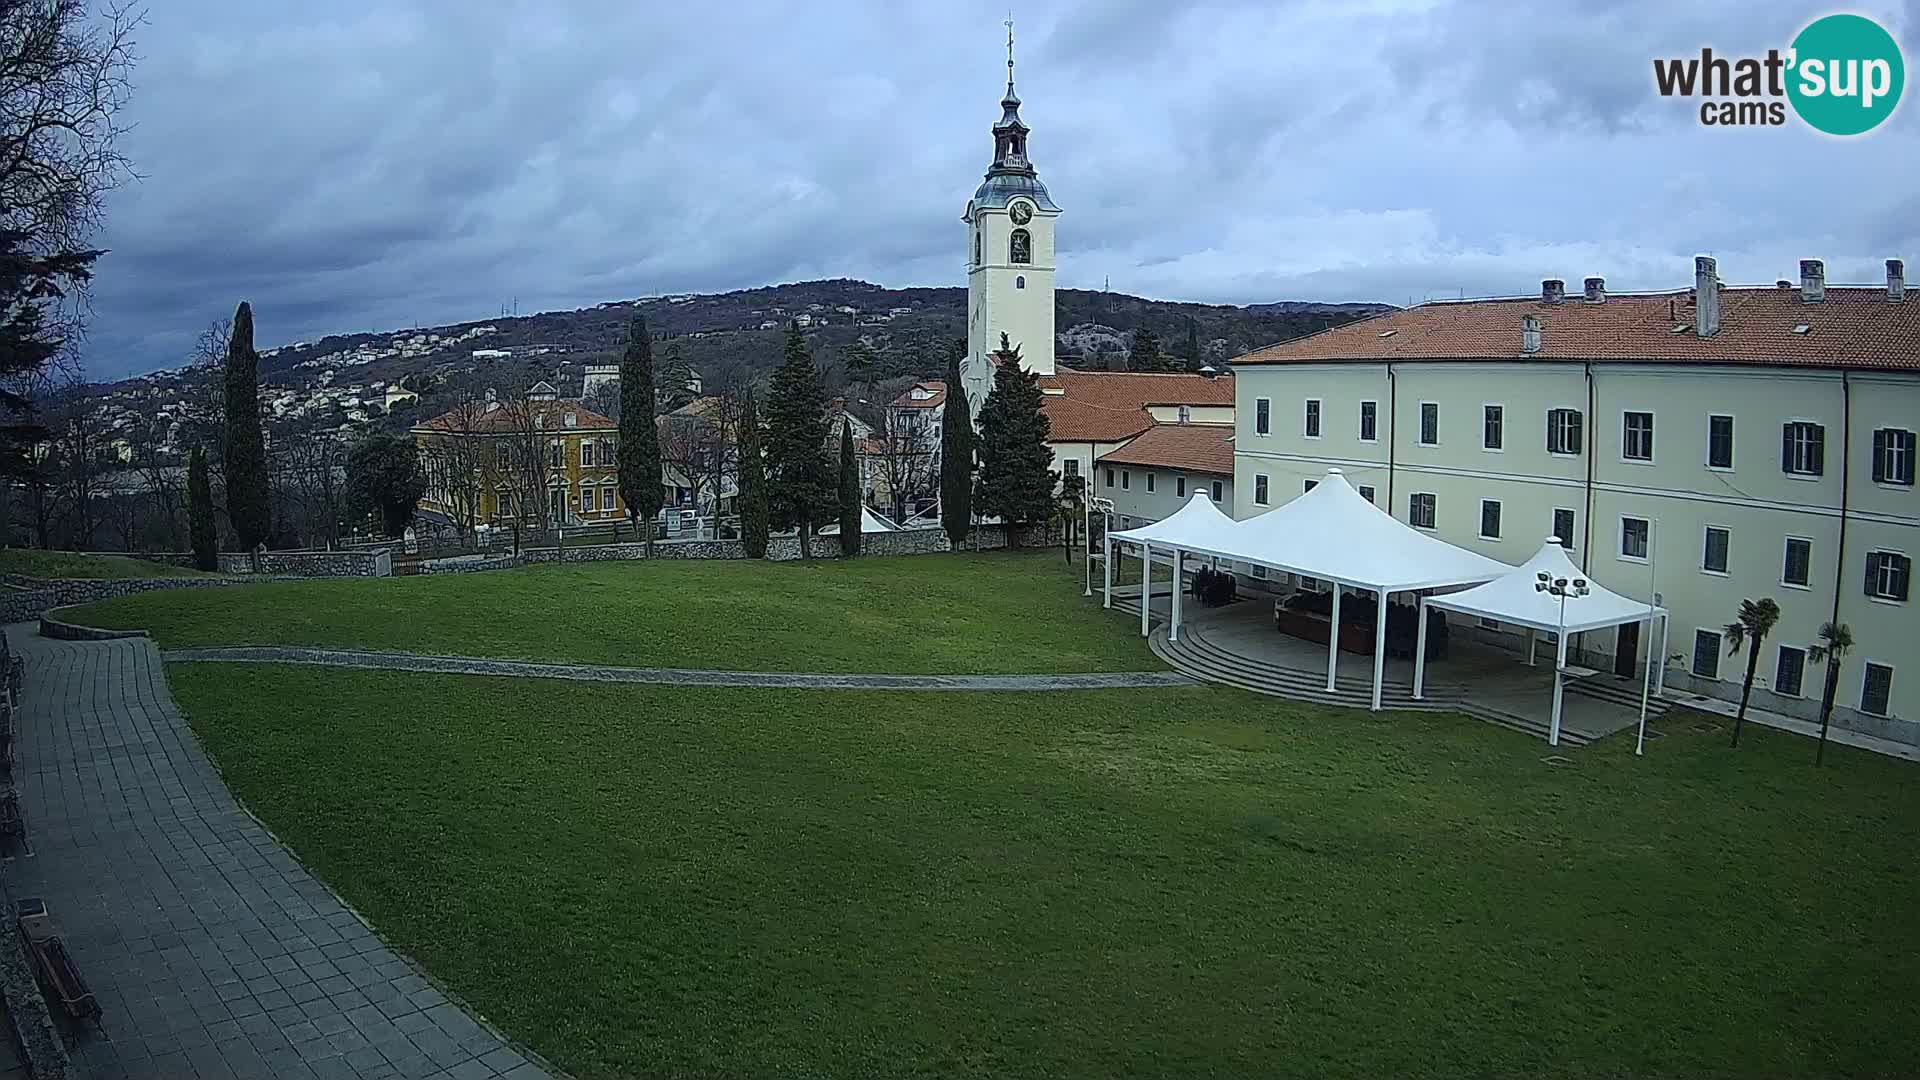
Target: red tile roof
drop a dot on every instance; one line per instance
(1109, 406)
(906, 399)
(504, 420)
(1853, 327)
(1206, 448)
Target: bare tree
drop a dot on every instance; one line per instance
(905, 451)
(528, 456)
(458, 455)
(697, 450)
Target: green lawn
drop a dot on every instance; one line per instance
(67, 564)
(730, 883)
(987, 613)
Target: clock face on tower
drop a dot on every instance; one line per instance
(1022, 213)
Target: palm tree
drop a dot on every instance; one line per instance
(1836, 641)
(1754, 623)
(1070, 505)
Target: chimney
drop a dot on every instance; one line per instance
(1530, 334)
(1783, 283)
(1553, 290)
(1596, 290)
(1813, 280)
(1706, 296)
(1896, 280)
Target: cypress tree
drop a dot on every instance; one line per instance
(638, 455)
(1193, 342)
(849, 494)
(752, 499)
(800, 483)
(1146, 355)
(956, 454)
(1015, 483)
(246, 452)
(206, 543)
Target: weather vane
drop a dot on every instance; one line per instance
(1009, 47)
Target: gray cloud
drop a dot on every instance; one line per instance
(368, 165)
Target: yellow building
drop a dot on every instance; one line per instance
(538, 459)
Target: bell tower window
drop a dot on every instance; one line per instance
(1020, 282)
(1020, 248)
(976, 247)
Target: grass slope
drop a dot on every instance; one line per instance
(67, 564)
(988, 613)
(655, 881)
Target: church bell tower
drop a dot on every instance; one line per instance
(1009, 255)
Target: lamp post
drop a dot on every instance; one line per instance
(1560, 588)
(1105, 506)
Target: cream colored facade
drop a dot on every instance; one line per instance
(1758, 505)
(1004, 296)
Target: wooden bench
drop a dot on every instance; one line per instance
(60, 980)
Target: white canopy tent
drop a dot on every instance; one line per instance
(1549, 593)
(1332, 532)
(870, 522)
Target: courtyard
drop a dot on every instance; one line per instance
(701, 881)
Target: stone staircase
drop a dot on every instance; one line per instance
(1193, 655)
(1618, 691)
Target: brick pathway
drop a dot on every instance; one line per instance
(212, 951)
(474, 665)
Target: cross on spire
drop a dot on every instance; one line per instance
(1009, 50)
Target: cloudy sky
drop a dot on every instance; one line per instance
(374, 164)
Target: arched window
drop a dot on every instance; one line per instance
(1020, 282)
(1021, 248)
(976, 247)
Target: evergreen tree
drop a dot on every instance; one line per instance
(248, 506)
(638, 453)
(800, 482)
(1146, 355)
(956, 454)
(1193, 342)
(206, 543)
(752, 499)
(1015, 483)
(384, 477)
(850, 502)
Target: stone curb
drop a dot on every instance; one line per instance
(51, 627)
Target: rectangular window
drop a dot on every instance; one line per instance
(586, 498)
(1803, 448)
(1149, 482)
(586, 455)
(557, 456)
(1713, 558)
(1126, 479)
(1633, 538)
(1799, 562)
(1789, 671)
(1564, 431)
(1706, 653)
(1887, 575)
(606, 497)
(1422, 510)
(1179, 487)
(1109, 476)
(1489, 519)
(1072, 467)
(1218, 487)
(1366, 492)
(1719, 442)
(1876, 689)
(1256, 570)
(1369, 421)
(1493, 420)
(1429, 423)
(1260, 489)
(1893, 456)
(1636, 436)
(1313, 418)
(1563, 527)
(1262, 421)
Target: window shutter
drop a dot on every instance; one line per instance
(1549, 431)
(1819, 450)
(1873, 566)
(1904, 577)
(1880, 456)
(1579, 422)
(1786, 448)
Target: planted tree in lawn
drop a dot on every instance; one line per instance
(956, 454)
(1836, 641)
(1755, 622)
(849, 494)
(384, 477)
(200, 524)
(1015, 483)
(752, 500)
(638, 454)
(1070, 506)
(800, 481)
(246, 454)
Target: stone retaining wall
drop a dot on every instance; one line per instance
(374, 563)
(779, 549)
(26, 598)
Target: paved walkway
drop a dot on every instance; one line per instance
(212, 951)
(469, 665)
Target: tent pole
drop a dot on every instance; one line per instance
(1146, 585)
(1420, 653)
(1173, 631)
(1646, 685)
(1379, 647)
(1660, 680)
(1532, 640)
(1333, 637)
(1106, 572)
(1559, 678)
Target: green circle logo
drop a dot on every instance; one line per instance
(1847, 74)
